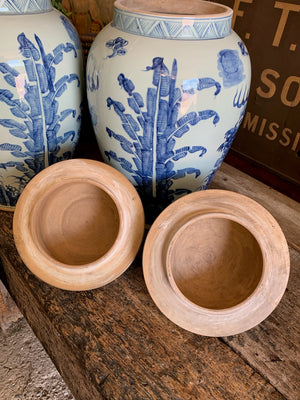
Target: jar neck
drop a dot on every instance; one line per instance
(173, 19)
(12, 7)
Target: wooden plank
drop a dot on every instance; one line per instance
(113, 343)
(264, 175)
(272, 348)
(285, 210)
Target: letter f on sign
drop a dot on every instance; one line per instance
(236, 10)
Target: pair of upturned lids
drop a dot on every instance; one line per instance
(215, 262)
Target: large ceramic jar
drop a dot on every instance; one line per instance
(167, 84)
(40, 92)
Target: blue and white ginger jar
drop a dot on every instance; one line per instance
(167, 86)
(41, 82)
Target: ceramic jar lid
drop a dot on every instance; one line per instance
(78, 224)
(215, 262)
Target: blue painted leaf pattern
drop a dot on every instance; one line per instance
(241, 97)
(36, 119)
(71, 32)
(223, 149)
(150, 132)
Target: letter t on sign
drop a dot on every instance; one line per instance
(236, 11)
(286, 8)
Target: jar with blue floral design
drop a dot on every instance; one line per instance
(41, 92)
(167, 84)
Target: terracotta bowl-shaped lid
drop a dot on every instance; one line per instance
(216, 263)
(78, 224)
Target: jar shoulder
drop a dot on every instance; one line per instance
(115, 46)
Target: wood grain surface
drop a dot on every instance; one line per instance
(284, 209)
(113, 343)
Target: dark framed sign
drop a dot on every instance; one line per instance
(268, 142)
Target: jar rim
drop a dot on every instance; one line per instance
(28, 7)
(195, 9)
(152, 19)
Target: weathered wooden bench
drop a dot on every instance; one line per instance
(113, 343)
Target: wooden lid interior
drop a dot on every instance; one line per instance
(214, 262)
(76, 223)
